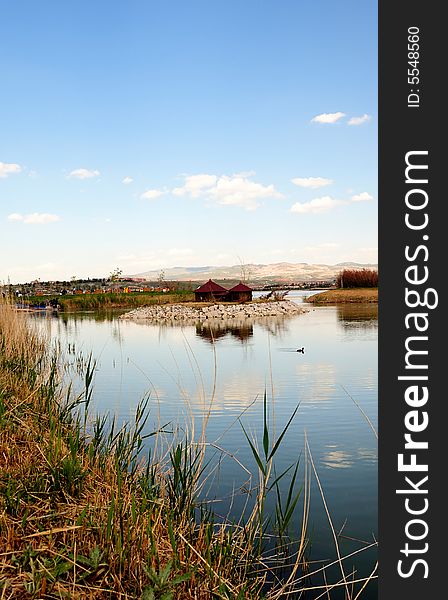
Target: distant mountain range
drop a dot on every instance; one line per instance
(276, 273)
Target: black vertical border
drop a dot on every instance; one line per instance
(403, 129)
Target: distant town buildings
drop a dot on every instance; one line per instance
(87, 286)
(211, 289)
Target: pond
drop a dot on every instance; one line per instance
(224, 370)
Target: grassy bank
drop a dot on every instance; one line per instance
(85, 302)
(82, 517)
(104, 302)
(363, 295)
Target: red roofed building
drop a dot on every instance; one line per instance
(210, 291)
(240, 293)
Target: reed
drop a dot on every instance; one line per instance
(357, 278)
(110, 300)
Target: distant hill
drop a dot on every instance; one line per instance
(276, 273)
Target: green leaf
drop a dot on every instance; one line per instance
(148, 594)
(254, 452)
(278, 442)
(265, 428)
(95, 556)
(291, 485)
(165, 572)
(181, 578)
(277, 479)
(290, 511)
(61, 569)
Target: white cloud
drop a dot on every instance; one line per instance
(152, 194)
(311, 182)
(34, 218)
(362, 197)
(15, 217)
(359, 120)
(196, 185)
(9, 169)
(227, 190)
(316, 206)
(180, 252)
(127, 180)
(241, 191)
(328, 117)
(83, 174)
(327, 203)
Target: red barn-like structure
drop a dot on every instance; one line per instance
(210, 291)
(240, 293)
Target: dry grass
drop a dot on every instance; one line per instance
(357, 278)
(362, 295)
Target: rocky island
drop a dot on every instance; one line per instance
(199, 312)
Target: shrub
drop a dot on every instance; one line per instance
(357, 278)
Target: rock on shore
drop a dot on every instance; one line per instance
(189, 313)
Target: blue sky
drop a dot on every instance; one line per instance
(145, 135)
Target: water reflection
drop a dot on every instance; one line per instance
(338, 458)
(98, 316)
(212, 332)
(358, 319)
(242, 329)
(216, 330)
